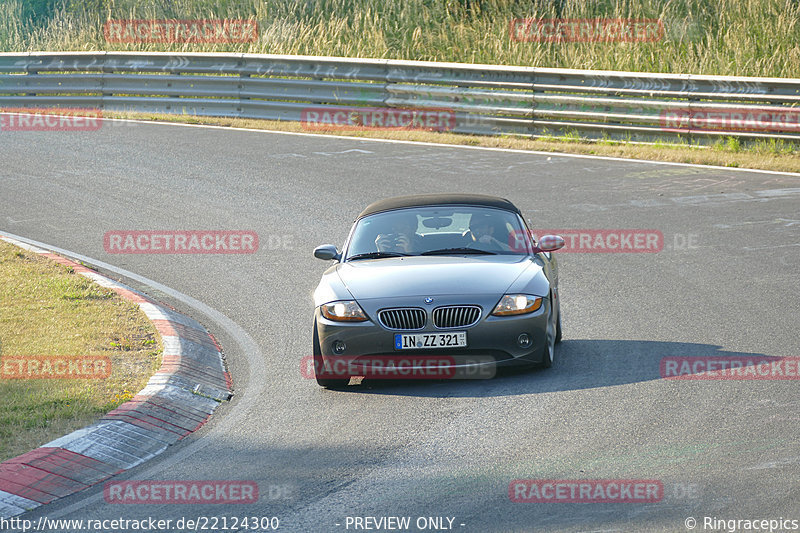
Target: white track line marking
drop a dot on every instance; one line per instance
(455, 146)
(247, 396)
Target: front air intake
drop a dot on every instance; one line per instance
(456, 316)
(404, 318)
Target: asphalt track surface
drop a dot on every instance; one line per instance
(726, 449)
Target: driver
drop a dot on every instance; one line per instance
(482, 229)
(403, 236)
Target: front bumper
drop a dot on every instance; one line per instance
(491, 343)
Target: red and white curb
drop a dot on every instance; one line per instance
(177, 400)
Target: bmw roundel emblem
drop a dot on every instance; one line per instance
(428, 300)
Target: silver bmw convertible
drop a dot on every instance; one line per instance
(436, 286)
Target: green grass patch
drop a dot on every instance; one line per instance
(48, 310)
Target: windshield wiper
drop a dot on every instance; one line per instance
(458, 251)
(376, 255)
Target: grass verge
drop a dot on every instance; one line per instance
(777, 156)
(715, 37)
(48, 310)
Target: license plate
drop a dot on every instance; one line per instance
(416, 341)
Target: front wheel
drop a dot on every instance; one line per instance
(551, 333)
(558, 324)
(328, 383)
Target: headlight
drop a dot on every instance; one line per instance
(346, 311)
(517, 304)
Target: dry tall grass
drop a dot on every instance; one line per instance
(726, 37)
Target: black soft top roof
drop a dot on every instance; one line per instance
(418, 200)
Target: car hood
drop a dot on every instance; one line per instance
(431, 275)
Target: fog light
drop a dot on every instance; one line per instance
(524, 340)
(339, 347)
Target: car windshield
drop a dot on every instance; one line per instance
(445, 230)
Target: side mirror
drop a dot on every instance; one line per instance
(326, 252)
(551, 243)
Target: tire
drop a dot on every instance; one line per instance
(558, 324)
(549, 351)
(328, 383)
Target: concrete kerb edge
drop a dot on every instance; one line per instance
(139, 435)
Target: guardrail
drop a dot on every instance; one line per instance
(484, 99)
